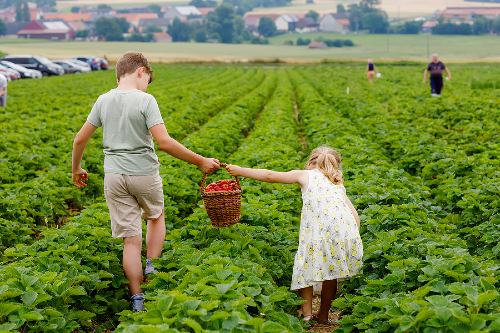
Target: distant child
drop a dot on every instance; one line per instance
(132, 184)
(370, 70)
(330, 246)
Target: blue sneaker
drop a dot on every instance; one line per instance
(137, 302)
(149, 268)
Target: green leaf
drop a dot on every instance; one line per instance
(223, 288)
(7, 308)
(193, 324)
(32, 316)
(29, 297)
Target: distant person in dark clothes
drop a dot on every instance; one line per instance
(370, 70)
(436, 68)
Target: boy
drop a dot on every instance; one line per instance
(132, 184)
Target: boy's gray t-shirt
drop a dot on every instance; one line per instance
(126, 117)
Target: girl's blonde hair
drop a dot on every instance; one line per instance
(328, 161)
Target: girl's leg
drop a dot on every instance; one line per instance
(307, 295)
(132, 263)
(328, 293)
(155, 236)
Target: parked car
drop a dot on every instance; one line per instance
(93, 62)
(83, 65)
(25, 72)
(69, 68)
(41, 64)
(103, 63)
(10, 74)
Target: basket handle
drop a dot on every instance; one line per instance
(203, 179)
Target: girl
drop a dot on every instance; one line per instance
(330, 246)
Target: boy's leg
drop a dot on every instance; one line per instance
(307, 295)
(328, 293)
(132, 263)
(155, 236)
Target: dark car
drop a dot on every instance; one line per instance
(69, 68)
(93, 62)
(41, 64)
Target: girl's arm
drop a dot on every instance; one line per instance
(353, 211)
(269, 176)
(448, 73)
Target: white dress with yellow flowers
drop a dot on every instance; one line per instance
(330, 246)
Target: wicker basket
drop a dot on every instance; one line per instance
(223, 208)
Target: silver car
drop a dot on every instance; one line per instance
(26, 73)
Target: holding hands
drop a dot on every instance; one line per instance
(209, 165)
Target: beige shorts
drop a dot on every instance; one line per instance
(131, 198)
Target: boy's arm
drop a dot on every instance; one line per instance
(353, 211)
(174, 148)
(290, 177)
(81, 139)
(426, 73)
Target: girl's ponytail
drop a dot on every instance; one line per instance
(328, 161)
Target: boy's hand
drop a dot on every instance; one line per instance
(80, 178)
(209, 165)
(234, 170)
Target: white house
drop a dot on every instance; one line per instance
(286, 22)
(330, 23)
(183, 13)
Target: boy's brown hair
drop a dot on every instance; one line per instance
(129, 62)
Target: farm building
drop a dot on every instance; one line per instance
(468, 13)
(252, 20)
(55, 30)
(286, 22)
(332, 23)
(183, 13)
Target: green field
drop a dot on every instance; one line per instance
(422, 172)
(379, 47)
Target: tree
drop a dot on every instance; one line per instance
(222, 23)
(22, 12)
(341, 9)
(179, 31)
(104, 8)
(200, 36)
(154, 8)
(151, 28)
(376, 22)
(313, 15)
(495, 26)
(3, 28)
(410, 27)
(111, 28)
(203, 3)
(481, 25)
(75, 9)
(267, 27)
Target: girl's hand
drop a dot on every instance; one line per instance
(234, 170)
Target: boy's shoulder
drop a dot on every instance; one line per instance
(140, 95)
